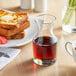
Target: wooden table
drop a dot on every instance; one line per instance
(23, 64)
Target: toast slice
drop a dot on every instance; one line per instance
(17, 36)
(12, 20)
(7, 32)
(2, 13)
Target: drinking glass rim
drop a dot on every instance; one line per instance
(49, 16)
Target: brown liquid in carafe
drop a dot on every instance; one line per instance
(45, 47)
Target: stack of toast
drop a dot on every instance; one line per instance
(12, 25)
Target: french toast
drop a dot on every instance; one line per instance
(8, 32)
(17, 36)
(12, 20)
(12, 23)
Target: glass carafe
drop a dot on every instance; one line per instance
(69, 16)
(44, 43)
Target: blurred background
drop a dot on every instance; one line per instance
(54, 7)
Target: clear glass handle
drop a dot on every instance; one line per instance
(67, 48)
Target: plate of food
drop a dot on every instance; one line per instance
(16, 29)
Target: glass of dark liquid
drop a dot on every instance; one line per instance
(44, 43)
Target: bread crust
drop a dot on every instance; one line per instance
(17, 36)
(2, 12)
(7, 32)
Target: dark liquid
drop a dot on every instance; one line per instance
(45, 48)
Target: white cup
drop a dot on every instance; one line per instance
(26, 4)
(40, 5)
(73, 51)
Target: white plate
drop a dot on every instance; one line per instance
(30, 33)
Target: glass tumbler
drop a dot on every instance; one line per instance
(69, 17)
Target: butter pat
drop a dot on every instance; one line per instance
(7, 18)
